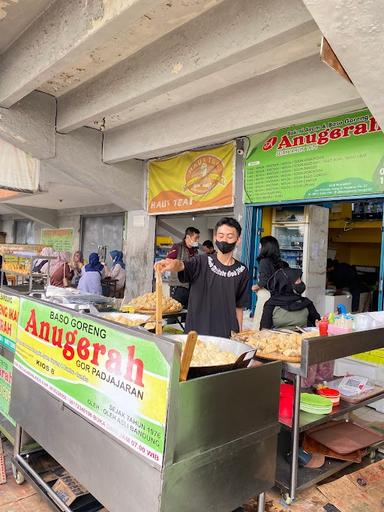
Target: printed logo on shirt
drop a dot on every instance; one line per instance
(224, 273)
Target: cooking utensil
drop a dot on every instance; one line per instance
(159, 303)
(187, 355)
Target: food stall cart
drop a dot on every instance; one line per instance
(291, 477)
(19, 264)
(106, 402)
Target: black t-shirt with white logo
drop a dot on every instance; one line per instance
(216, 291)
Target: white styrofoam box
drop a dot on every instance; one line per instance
(350, 366)
(373, 372)
(332, 301)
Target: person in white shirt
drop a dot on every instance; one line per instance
(117, 271)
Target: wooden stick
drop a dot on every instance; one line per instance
(186, 358)
(159, 303)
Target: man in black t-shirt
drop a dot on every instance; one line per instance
(218, 284)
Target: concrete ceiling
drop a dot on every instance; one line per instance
(16, 16)
(157, 76)
(60, 197)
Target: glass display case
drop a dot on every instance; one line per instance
(291, 240)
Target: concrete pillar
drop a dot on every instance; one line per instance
(139, 253)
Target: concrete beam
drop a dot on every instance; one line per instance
(281, 55)
(300, 92)
(233, 31)
(30, 124)
(74, 40)
(43, 216)
(62, 33)
(78, 155)
(355, 31)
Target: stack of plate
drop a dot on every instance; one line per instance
(332, 394)
(315, 404)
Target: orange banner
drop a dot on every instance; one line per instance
(194, 180)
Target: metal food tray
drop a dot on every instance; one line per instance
(243, 352)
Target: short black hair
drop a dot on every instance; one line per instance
(229, 221)
(191, 231)
(208, 244)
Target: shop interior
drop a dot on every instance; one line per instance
(354, 239)
(170, 229)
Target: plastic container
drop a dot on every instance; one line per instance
(286, 401)
(335, 329)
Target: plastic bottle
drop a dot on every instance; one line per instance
(323, 326)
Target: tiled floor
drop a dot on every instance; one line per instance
(23, 498)
(20, 498)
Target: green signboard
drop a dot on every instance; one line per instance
(6, 368)
(115, 380)
(9, 313)
(333, 158)
(60, 239)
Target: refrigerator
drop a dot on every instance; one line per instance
(302, 233)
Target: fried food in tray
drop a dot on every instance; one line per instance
(147, 304)
(275, 344)
(125, 320)
(208, 354)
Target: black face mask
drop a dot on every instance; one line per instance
(225, 247)
(299, 288)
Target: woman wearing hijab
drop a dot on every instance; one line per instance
(4, 277)
(117, 270)
(60, 273)
(287, 308)
(91, 276)
(76, 265)
(269, 260)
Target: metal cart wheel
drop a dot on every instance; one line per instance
(18, 475)
(286, 498)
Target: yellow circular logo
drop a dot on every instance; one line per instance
(204, 173)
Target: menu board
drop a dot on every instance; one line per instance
(336, 157)
(60, 239)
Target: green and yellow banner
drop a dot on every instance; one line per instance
(338, 157)
(9, 314)
(115, 380)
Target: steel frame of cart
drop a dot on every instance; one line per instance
(290, 477)
(220, 435)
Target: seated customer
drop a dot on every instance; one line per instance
(117, 271)
(91, 276)
(76, 265)
(60, 274)
(287, 308)
(5, 280)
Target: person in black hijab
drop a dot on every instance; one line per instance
(5, 282)
(287, 308)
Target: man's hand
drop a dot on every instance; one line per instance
(169, 265)
(255, 288)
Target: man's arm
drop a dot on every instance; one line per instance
(170, 265)
(239, 316)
